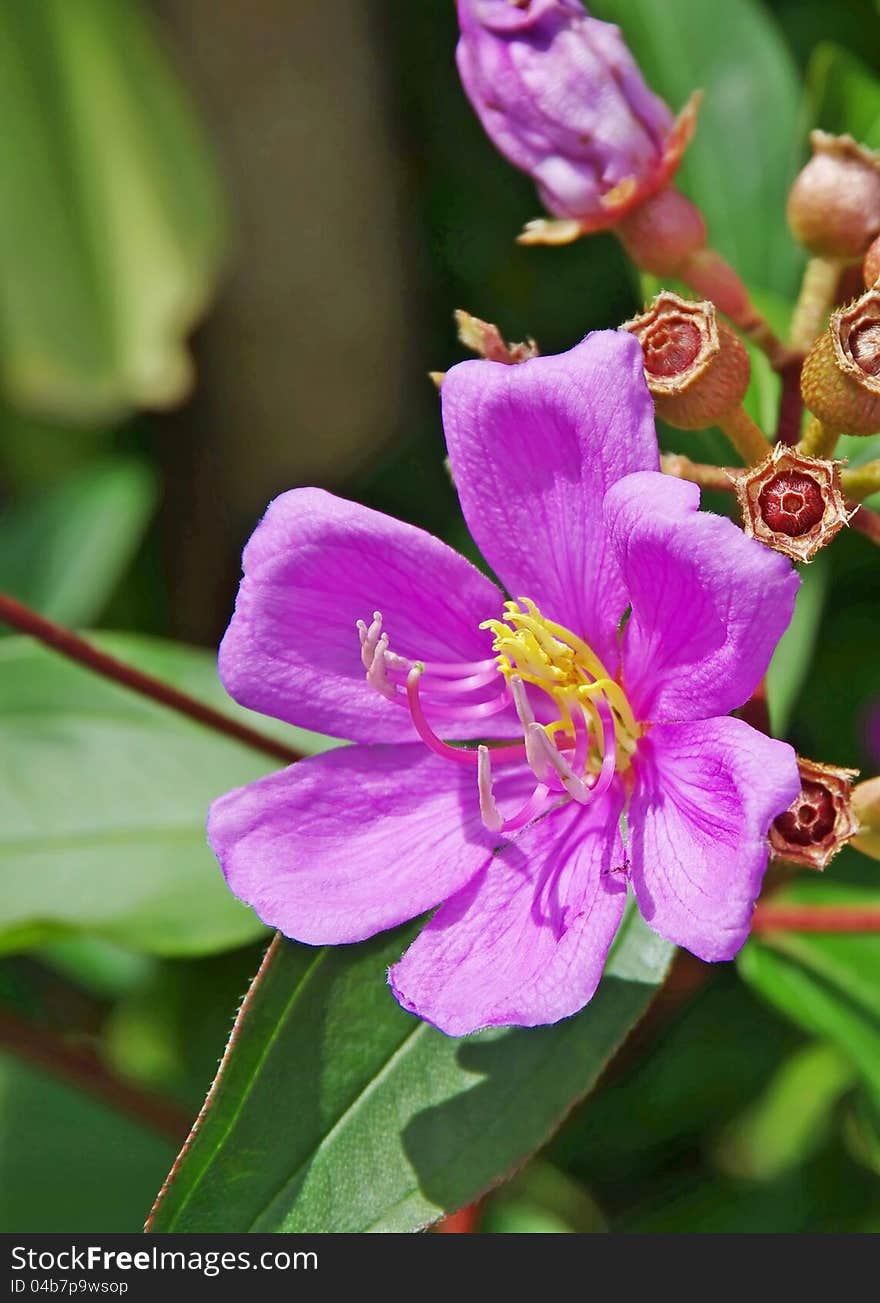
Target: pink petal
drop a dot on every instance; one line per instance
(525, 942)
(339, 846)
(534, 448)
(706, 795)
(708, 604)
(314, 566)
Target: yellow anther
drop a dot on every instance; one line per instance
(552, 658)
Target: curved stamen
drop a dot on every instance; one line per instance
(452, 669)
(450, 687)
(551, 760)
(423, 728)
(540, 799)
(436, 744)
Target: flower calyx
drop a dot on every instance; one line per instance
(820, 821)
(840, 382)
(697, 369)
(792, 503)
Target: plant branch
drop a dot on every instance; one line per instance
(867, 522)
(92, 658)
(720, 478)
(83, 1070)
(791, 404)
(816, 918)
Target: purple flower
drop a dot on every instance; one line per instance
(562, 98)
(369, 629)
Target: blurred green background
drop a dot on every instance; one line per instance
(231, 241)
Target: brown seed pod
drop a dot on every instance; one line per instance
(840, 382)
(792, 503)
(834, 204)
(820, 821)
(696, 368)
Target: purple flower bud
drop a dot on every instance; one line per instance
(562, 98)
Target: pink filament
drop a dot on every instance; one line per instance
(436, 744)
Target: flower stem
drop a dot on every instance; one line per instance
(712, 277)
(791, 404)
(77, 649)
(860, 482)
(817, 296)
(816, 918)
(745, 435)
(818, 440)
(708, 477)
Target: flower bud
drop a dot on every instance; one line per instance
(562, 98)
(871, 265)
(840, 381)
(866, 805)
(820, 821)
(834, 204)
(696, 368)
(792, 503)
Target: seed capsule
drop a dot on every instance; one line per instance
(820, 821)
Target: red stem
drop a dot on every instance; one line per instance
(867, 522)
(816, 918)
(84, 653)
(791, 406)
(84, 1070)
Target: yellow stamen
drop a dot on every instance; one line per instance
(552, 658)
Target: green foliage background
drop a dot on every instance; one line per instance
(752, 1101)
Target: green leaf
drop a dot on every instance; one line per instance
(112, 229)
(792, 1119)
(843, 95)
(794, 653)
(336, 1111)
(740, 165)
(67, 1163)
(103, 798)
(541, 1200)
(65, 552)
(826, 983)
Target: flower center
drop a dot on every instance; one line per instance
(810, 821)
(550, 657)
(792, 503)
(537, 666)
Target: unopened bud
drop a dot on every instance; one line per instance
(792, 503)
(871, 265)
(821, 819)
(834, 204)
(696, 368)
(485, 339)
(866, 804)
(840, 382)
